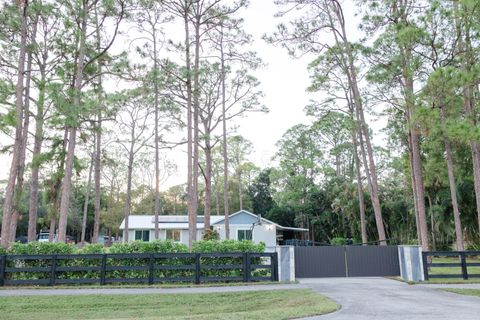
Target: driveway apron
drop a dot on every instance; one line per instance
(386, 299)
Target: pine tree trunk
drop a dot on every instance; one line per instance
(415, 147)
(23, 148)
(361, 198)
(157, 155)
(51, 232)
(476, 175)
(191, 214)
(67, 179)
(348, 60)
(9, 191)
(226, 206)
(128, 200)
(453, 185)
(208, 183)
(196, 108)
(37, 147)
(240, 195)
(66, 186)
(98, 145)
(414, 189)
(85, 204)
(97, 178)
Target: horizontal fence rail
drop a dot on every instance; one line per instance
(430, 260)
(149, 268)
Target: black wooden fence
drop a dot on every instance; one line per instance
(136, 268)
(462, 264)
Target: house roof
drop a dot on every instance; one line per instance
(147, 222)
(222, 219)
(165, 222)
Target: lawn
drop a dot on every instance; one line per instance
(454, 270)
(467, 292)
(274, 304)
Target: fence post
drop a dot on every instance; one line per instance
(151, 271)
(103, 269)
(3, 263)
(244, 267)
(197, 268)
(247, 274)
(53, 270)
(463, 261)
(274, 266)
(425, 265)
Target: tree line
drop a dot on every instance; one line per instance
(111, 85)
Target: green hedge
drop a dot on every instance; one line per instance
(161, 246)
(338, 241)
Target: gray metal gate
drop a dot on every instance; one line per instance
(346, 261)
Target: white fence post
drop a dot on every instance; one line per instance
(411, 263)
(286, 263)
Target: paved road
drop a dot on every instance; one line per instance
(110, 291)
(380, 298)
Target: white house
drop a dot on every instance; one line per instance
(244, 225)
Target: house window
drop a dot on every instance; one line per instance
(244, 234)
(173, 234)
(143, 235)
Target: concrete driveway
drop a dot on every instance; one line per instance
(380, 298)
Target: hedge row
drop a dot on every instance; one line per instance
(207, 246)
(159, 246)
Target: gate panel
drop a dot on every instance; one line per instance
(311, 262)
(372, 261)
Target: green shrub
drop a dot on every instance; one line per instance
(208, 246)
(338, 241)
(92, 249)
(227, 246)
(3, 251)
(158, 246)
(42, 248)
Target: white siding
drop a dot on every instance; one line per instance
(263, 233)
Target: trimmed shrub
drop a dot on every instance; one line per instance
(208, 246)
(183, 265)
(338, 241)
(42, 248)
(94, 248)
(228, 246)
(158, 246)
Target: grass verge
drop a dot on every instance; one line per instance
(467, 292)
(139, 286)
(274, 304)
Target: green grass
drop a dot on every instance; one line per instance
(453, 271)
(140, 285)
(274, 304)
(467, 292)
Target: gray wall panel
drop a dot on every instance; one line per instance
(374, 261)
(317, 262)
(346, 261)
